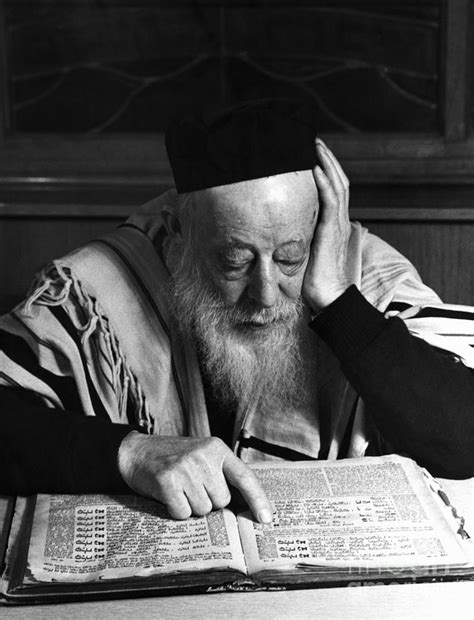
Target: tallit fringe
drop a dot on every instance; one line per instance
(53, 286)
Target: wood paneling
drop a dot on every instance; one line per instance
(443, 253)
(457, 65)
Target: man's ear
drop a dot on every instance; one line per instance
(172, 223)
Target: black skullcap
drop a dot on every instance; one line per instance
(249, 141)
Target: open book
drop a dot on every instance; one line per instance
(335, 523)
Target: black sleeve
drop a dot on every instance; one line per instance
(49, 451)
(420, 399)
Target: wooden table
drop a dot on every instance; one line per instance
(439, 600)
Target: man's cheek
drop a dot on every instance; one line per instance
(292, 287)
(231, 291)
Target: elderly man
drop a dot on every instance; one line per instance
(242, 318)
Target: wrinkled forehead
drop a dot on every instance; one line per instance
(267, 205)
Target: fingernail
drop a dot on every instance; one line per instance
(319, 142)
(265, 516)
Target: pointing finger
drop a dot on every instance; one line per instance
(241, 477)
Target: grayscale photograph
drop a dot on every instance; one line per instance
(237, 309)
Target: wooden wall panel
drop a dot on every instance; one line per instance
(443, 253)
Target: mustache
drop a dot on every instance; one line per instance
(246, 312)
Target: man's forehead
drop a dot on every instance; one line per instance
(277, 197)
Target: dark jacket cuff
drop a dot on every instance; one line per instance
(349, 324)
(94, 457)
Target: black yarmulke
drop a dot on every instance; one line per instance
(248, 141)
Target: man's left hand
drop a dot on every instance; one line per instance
(327, 275)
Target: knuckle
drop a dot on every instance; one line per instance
(221, 500)
(202, 508)
(210, 449)
(179, 511)
(167, 478)
(207, 445)
(215, 443)
(243, 472)
(245, 477)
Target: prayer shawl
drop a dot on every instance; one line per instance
(99, 335)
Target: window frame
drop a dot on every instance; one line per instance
(135, 160)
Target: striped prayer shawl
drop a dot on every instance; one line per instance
(95, 335)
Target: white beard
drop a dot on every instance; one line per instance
(272, 365)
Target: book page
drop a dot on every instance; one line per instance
(79, 538)
(370, 512)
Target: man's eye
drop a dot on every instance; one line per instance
(290, 267)
(294, 262)
(235, 266)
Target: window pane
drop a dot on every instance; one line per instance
(129, 66)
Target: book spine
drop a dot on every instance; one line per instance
(243, 585)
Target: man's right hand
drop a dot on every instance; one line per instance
(189, 475)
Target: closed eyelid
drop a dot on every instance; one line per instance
(289, 259)
(292, 251)
(237, 255)
(291, 268)
(290, 256)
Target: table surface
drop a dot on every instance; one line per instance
(438, 600)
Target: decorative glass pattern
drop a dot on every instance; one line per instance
(95, 66)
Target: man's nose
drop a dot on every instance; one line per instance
(263, 286)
